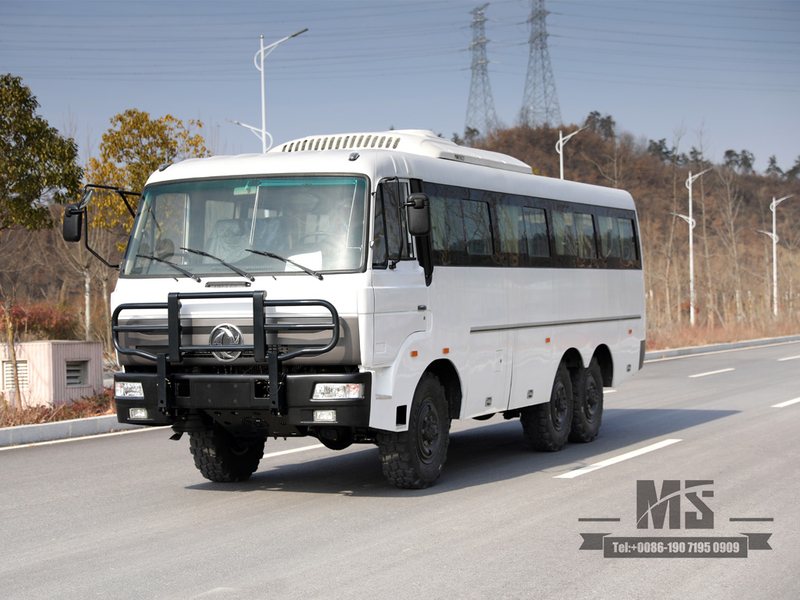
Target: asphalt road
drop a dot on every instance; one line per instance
(128, 516)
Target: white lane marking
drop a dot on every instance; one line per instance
(293, 450)
(787, 403)
(788, 358)
(711, 373)
(609, 391)
(81, 438)
(616, 459)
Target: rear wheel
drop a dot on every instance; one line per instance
(415, 458)
(588, 405)
(223, 458)
(547, 426)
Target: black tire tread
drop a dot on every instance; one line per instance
(215, 456)
(583, 430)
(537, 426)
(396, 449)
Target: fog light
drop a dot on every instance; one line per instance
(128, 389)
(325, 416)
(337, 391)
(137, 413)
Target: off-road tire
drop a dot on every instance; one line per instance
(587, 412)
(414, 459)
(547, 426)
(223, 458)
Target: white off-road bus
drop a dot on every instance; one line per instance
(370, 288)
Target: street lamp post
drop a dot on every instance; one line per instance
(560, 147)
(263, 53)
(773, 205)
(692, 223)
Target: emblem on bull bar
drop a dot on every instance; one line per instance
(226, 334)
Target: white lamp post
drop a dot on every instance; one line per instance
(560, 147)
(773, 205)
(263, 54)
(692, 224)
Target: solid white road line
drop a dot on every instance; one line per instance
(616, 459)
(787, 403)
(293, 450)
(711, 373)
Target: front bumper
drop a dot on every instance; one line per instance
(241, 403)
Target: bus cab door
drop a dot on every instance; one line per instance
(400, 293)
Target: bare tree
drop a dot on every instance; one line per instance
(729, 230)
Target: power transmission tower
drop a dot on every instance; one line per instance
(540, 100)
(481, 116)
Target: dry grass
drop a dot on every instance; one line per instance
(685, 336)
(88, 406)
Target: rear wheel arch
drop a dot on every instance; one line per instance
(603, 357)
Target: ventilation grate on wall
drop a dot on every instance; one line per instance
(8, 374)
(77, 373)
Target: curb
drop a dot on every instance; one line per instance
(659, 354)
(46, 432)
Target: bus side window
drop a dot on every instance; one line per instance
(536, 232)
(477, 228)
(609, 237)
(584, 225)
(398, 243)
(379, 251)
(627, 240)
(564, 230)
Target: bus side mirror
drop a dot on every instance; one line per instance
(73, 223)
(418, 214)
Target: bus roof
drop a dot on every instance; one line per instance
(404, 153)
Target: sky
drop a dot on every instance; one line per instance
(712, 73)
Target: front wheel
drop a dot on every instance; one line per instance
(414, 459)
(223, 458)
(547, 426)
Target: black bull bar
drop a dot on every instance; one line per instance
(262, 353)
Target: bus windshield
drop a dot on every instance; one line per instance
(249, 226)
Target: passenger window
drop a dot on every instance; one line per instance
(447, 225)
(512, 229)
(538, 244)
(609, 237)
(627, 239)
(584, 225)
(477, 228)
(564, 233)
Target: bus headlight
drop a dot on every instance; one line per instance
(128, 389)
(337, 391)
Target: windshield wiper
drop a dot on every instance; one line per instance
(286, 260)
(222, 262)
(171, 264)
